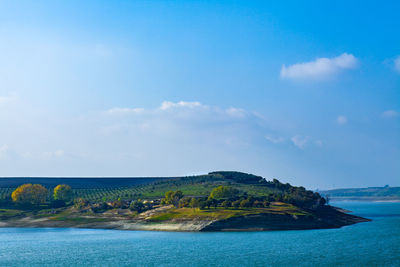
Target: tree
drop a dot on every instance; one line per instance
(117, 204)
(226, 204)
(258, 204)
(236, 204)
(184, 202)
(32, 194)
(172, 197)
(194, 203)
(80, 203)
(168, 197)
(62, 192)
(137, 205)
(222, 192)
(245, 203)
(211, 203)
(202, 204)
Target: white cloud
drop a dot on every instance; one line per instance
(7, 99)
(173, 114)
(3, 99)
(181, 104)
(321, 68)
(397, 64)
(275, 140)
(179, 138)
(3, 151)
(124, 110)
(236, 112)
(390, 114)
(59, 153)
(341, 120)
(318, 142)
(300, 141)
(53, 154)
(42, 155)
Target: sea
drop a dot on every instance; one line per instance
(375, 243)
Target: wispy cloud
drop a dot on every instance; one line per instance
(124, 110)
(8, 98)
(181, 104)
(341, 120)
(397, 64)
(3, 151)
(321, 68)
(275, 140)
(390, 114)
(300, 141)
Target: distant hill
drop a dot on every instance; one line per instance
(365, 194)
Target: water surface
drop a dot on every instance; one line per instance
(375, 243)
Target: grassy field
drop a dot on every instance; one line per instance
(224, 213)
(6, 214)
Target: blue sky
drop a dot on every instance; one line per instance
(308, 93)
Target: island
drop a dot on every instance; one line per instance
(217, 201)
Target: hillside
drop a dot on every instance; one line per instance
(110, 189)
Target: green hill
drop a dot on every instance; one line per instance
(217, 201)
(111, 189)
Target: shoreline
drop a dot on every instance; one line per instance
(327, 218)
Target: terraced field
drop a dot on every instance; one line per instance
(109, 189)
(91, 189)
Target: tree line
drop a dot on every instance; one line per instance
(34, 195)
(229, 197)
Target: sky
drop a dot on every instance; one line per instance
(308, 93)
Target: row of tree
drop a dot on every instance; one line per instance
(226, 196)
(36, 194)
(221, 196)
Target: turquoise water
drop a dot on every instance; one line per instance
(376, 243)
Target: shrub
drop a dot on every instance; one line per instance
(80, 203)
(57, 203)
(211, 203)
(236, 204)
(245, 203)
(226, 204)
(258, 204)
(194, 202)
(137, 206)
(184, 202)
(101, 207)
(202, 204)
(117, 204)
